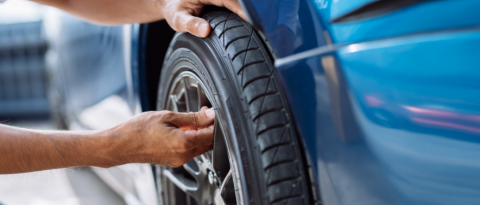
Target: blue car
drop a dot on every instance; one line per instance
(318, 102)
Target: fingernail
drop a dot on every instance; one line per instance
(210, 113)
(202, 29)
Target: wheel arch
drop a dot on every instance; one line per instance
(154, 40)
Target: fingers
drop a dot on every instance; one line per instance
(232, 5)
(235, 7)
(201, 137)
(193, 120)
(181, 16)
(186, 22)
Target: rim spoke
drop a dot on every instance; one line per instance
(181, 181)
(191, 96)
(186, 185)
(192, 167)
(173, 102)
(177, 105)
(200, 178)
(206, 159)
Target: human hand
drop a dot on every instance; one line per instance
(163, 137)
(181, 14)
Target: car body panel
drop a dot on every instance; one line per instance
(91, 65)
(423, 16)
(345, 172)
(420, 113)
(131, 55)
(96, 59)
(417, 117)
(287, 32)
(314, 16)
(387, 107)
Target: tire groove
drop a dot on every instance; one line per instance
(214, 18)
(276, 145)
(255, 79)
(273, 146)
(224, 25)
(261, 106)
(229, 29)
(245, 59)
(282, 180)
(251, 63)
(285, 197)
(242, 51)
(266, 111)
(235, 39)
(271, 127)
(259, 96)
(218, 25)
(277, 163)
(256, 97)
(273, 158)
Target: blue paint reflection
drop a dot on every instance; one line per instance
(416, 100)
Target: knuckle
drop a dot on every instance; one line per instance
(192, 23)
(187, 146)
(193, 118)
(166, 115)
(177, 23)
(183, 147)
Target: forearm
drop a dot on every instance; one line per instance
(164, 138)
(110, 11)
(23, 150)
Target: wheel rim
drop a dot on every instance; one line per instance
(198, 178)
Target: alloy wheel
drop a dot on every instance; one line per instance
(206, 179)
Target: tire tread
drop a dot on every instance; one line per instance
(285, 179)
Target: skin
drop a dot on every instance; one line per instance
(180, 14)
(162, 137)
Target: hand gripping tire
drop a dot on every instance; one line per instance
(236, 69)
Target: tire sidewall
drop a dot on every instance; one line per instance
(210, 67)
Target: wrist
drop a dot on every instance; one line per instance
(103, 149)
(157, 8)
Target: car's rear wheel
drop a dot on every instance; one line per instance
(256, 157)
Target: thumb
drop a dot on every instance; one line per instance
(186, 22)
(193, 120)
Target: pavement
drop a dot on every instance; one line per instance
(74, 186)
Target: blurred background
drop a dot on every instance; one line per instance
(32, 93)
(22, 62)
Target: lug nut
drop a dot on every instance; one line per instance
(212, 178)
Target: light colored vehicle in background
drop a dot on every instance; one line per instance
(20, 11)
(22, 64)
(88, 91)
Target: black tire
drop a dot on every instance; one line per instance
(235, 66)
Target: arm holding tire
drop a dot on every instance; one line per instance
(163, 137)
(180, 14)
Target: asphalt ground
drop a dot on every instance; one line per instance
(74, 186)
